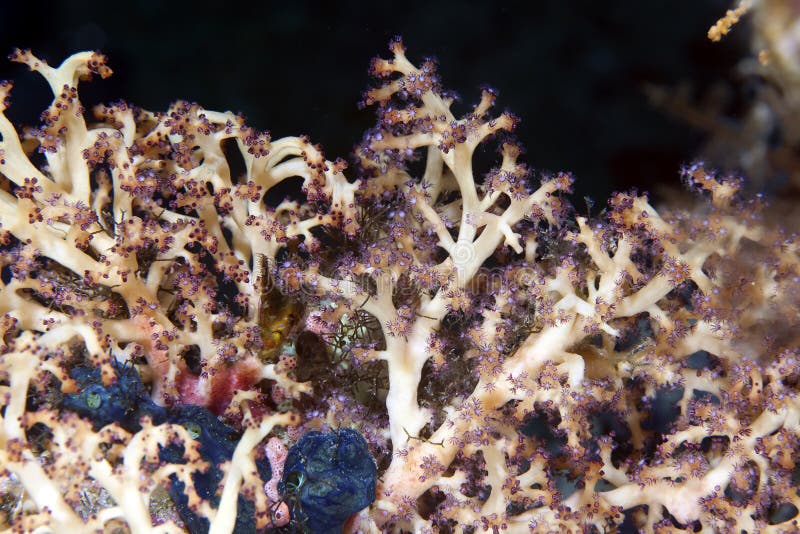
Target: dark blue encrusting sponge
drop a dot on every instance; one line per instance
(126, 401)
(328, 476)
(217, 443)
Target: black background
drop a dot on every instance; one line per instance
(572, 70)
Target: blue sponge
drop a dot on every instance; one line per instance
(328, 476)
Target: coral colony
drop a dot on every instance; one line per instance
(402, 345)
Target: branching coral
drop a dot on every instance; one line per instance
(507, 360)
(586, 284)
(126, 246)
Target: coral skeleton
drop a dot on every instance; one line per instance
(512, 364)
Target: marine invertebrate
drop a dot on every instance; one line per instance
(443, 313)
(328, 476)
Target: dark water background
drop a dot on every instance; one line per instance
(572, 70)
